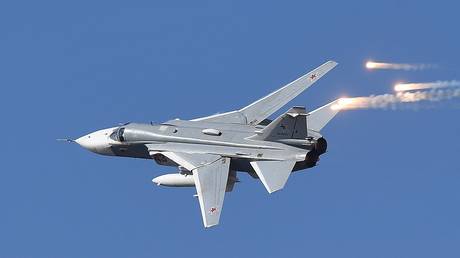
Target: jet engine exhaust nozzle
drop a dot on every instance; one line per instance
(320, 146)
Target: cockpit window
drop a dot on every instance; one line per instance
(113, 135)
(121, 131)
(117, 135)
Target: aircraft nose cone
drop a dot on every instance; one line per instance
(97, 142)
(85, 142)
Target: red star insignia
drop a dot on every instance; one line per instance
(213, 209)
(313, 76)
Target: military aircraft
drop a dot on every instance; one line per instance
(209, 151)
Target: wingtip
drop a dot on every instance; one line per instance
(321, 116)
(326, 67)
(206, 226)
(332, 105)
(332, 62)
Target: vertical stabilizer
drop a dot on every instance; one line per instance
(290, 125)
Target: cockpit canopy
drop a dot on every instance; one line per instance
(117, 135)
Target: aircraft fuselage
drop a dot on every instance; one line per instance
(229, 140)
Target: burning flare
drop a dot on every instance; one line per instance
(425, 85)
(394, 101)
(396, 66)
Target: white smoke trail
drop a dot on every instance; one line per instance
(398, 66)
(425, 85)
(395, 101)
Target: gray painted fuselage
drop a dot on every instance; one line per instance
(232, 140)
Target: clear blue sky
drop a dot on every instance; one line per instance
(388, 187)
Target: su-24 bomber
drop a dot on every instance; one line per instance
(209, 151)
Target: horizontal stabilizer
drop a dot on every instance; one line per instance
(273, 174)
(317, 119)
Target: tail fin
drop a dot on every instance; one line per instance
(290, 125)
(317, 119)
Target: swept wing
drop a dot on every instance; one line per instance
(259, 110)
(210, 173)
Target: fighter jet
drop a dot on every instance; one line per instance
(209, 151)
